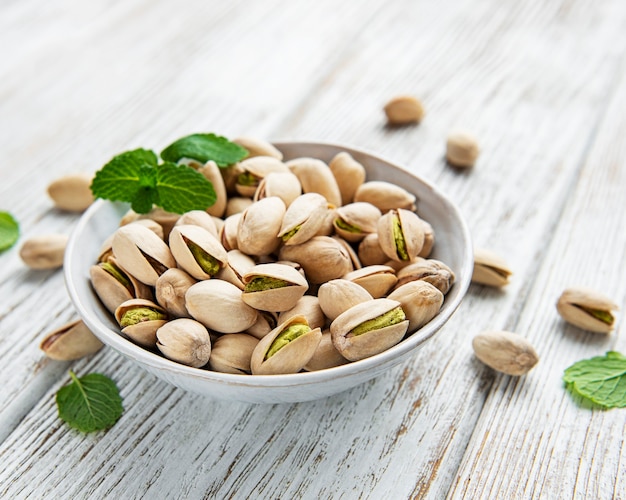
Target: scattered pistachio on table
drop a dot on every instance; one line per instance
(506, 352)
(404, 110)
(70, 341)
(587, 309)
(44, 252)
(72, 192)
(461, 149)
(490, 269)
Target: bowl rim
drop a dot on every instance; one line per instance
(396, 352)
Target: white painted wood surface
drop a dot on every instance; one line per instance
(542, 84)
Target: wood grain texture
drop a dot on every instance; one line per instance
(542, 86)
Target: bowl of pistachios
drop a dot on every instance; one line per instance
(316, 267)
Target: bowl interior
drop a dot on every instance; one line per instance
(452, 246)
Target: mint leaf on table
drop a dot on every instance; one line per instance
(90, 403)
(601, 379)
(9, 231)
(205, 147)
(181, 189)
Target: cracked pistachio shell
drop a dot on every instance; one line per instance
(218, 305)
(283, 288)
(44, 252)
(266, 321)
(354, 258)
(369, 251)
(303, 219)
(211, 171)
(257, 233)
(339, 295)
(113, 285)
(258, 147)
(290, 358)
(165, 219)
(141, 253)
(199, 218)
(377, 280)
(490, 269)
(254, 170)
(432, 271)
(355, 221)
(70, 341)
(327, 228)
(385, 195)
(232, 352)
(587, 309)
(153, 226)
(506, 352)
(429, 239)
(197, 251)
(238, 265)
(348, 173)
(72, 192)
(285, 185)
(316, 177)
(185, 341)
(170, 290)
(142, 328)
(237, 204)
(356, 347)
(412, 234)
(309, 307)
(322, 258)
(420, 301)
(326, 355)
(228, 233)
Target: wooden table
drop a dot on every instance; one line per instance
(543, 87)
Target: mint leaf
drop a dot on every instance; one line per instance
(9, 231)
(601, 379)
(90, 403)
(181, 189)
(205, 147)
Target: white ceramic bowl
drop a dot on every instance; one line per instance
(453, 246)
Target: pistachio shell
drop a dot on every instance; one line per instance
(197, 251)
(354, 258)
(316, 177)
(211, 171)
(237, 204)
(230, 175)
(265, 323)
(285, 185)
(339, 295)
(429, 239)
(587, 309)
(289, 359)
(258, 147)
(403, 110)
(326, 227)
(144, 334)
(170, 290)
(231, 353)
(369, 251)
(412, 234)
(218, 305)
(111, 290)
(255, 169)
(44, 252)
(309, 307)
(143, 329)
(274, 299)
(322, 258)
(490, 269)
(228, 233)
(238, 265)
(165, 219)
(377, 280)
(303, 219)
(70, 341)
(326, 355)
(199, 218)
(385, 195)
(153, 226)
(257, 233)
(432, 271)
(72, 192)
(356, 347)
(356, 220)
(348, 173)
(420, 301)
(128, 217)
(106, 249)
(185, 341)
(506, 352)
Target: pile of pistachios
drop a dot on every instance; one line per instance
(299, 265)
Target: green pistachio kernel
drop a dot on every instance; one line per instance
(342, 224)
(139, 315)
(392, 317)
(287, 335)
(207, 262)
(604, 316)
(291, 232)
(118, 274)
(261, 283)
(398, 237)
(247, 179)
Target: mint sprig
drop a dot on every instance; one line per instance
(601, 379)
(90, 403)
(205, 147)
(9, 231)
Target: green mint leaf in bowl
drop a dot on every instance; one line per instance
(205, 147)
(90, 403)
(9, 231)
(601, 379)
(181, 189)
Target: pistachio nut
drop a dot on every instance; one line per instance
(327, 228)
(257, 233)
(432, 271)
(199, 218)
(316, 177)
(400, 234)
(211, 171)
(369, 328)
(506, 352)
(254, 170)
(232, 352)
(321, 257)
(385, 195)
(369, 251)
(285, 185)
(237, 204)
(219, 224)
(228, 233)
(266, 321)
(197, 251)
(69, 342)
(377, 280)
(354, 258)
(309, 307)
(355, 221)
(113, 285)
(403, 110)
(218, 305)
(348, 173)
(303, 219)
(461, 149)
(153, 226)
(166, 220)
(72, 192)
(238, 265)
(140, 319)
(185, 341)
(273, 287)
(258, 147)
(106, 249)
(286, 349)
(490, 269)
(338, 295)
(230, 175)
(141, 253)
(429, 239)
(420, 301)
(44, 252)
(170, 290)
(325, 356)
(587, 309)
